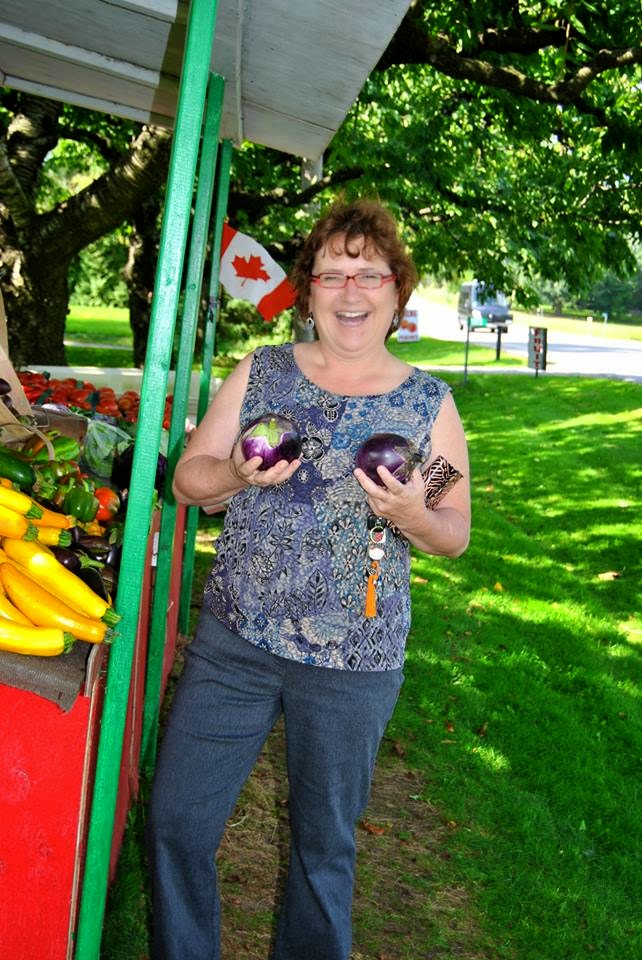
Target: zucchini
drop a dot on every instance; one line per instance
(16, 470)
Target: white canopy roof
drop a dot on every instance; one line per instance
(292, 68)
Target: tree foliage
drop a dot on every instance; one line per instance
(506, 136)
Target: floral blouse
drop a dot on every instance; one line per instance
(291, 564)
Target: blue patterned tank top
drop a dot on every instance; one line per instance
(291, 564)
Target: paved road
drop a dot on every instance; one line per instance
(589, 355)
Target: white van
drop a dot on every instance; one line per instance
(482, 310)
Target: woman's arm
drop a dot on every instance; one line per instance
(212, 468)
(445, 530)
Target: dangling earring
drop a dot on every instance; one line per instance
(309, 320)
(395, 321)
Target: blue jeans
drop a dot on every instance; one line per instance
(228, 698)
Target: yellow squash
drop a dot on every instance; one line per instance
(46, 610)
(19, 502)
(40, 563)
(14, 524)
(34, 641)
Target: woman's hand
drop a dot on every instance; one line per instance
(247, 472)
(443, 531)
(401, 503)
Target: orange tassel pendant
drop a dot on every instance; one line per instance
(376, 541)
(371, 591)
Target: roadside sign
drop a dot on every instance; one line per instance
(537, 348)
(409, 326)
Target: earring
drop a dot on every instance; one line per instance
(395, 321)
(309, 321)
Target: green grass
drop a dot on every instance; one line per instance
(521, 712)
(524, 678)
(109, 326)
(98, 357)
(427, 352)
(99, 325)
(579, 326)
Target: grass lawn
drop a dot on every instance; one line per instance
(99, 325)
(506, 820)
(93, 335)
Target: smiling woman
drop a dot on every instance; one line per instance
(307, 607)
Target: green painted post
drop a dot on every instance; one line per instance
(198, 50)
(191, 524)
(182, 382)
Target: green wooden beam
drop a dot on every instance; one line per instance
(182, 382)
(180, 189)
(191, 525)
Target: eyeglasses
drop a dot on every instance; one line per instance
(365, 281)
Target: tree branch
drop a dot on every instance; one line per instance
(14, 199)
(605, 60)
(31, 134)
(412, 44)
(111, 199)
(255, 206)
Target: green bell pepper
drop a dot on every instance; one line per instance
(80, 503)
(65, 448)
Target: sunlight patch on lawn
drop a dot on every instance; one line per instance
(631, 418)
(493, 759)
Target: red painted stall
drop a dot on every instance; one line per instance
(48, 743)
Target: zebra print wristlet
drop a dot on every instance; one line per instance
(439, 477)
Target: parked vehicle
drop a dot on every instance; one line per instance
(481, 309)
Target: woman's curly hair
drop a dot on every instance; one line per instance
(340, 228)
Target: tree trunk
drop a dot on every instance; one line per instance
(36, 316)
(140, 272)
(36, 248)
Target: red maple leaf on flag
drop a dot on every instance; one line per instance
(249, 268)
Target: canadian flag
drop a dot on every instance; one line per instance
(248, 272)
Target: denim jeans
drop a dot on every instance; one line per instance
(229, 697)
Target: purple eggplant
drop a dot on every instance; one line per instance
(389, 450)
(92, 577)
(271, 437)
(110, 579)
(68, 558)
(121, 470)
(96, 547)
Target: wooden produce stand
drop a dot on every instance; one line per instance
(73, 729)
(50, 718)
(51, 710)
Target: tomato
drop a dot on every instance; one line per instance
(109, 503)
(108, 408)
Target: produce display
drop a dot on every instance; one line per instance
(388, 450)
(83, 396)
(60, 528)
(272, 437)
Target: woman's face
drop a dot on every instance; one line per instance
(353, 319)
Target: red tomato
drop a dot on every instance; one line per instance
(109, 503)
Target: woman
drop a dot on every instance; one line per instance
(307, 607)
